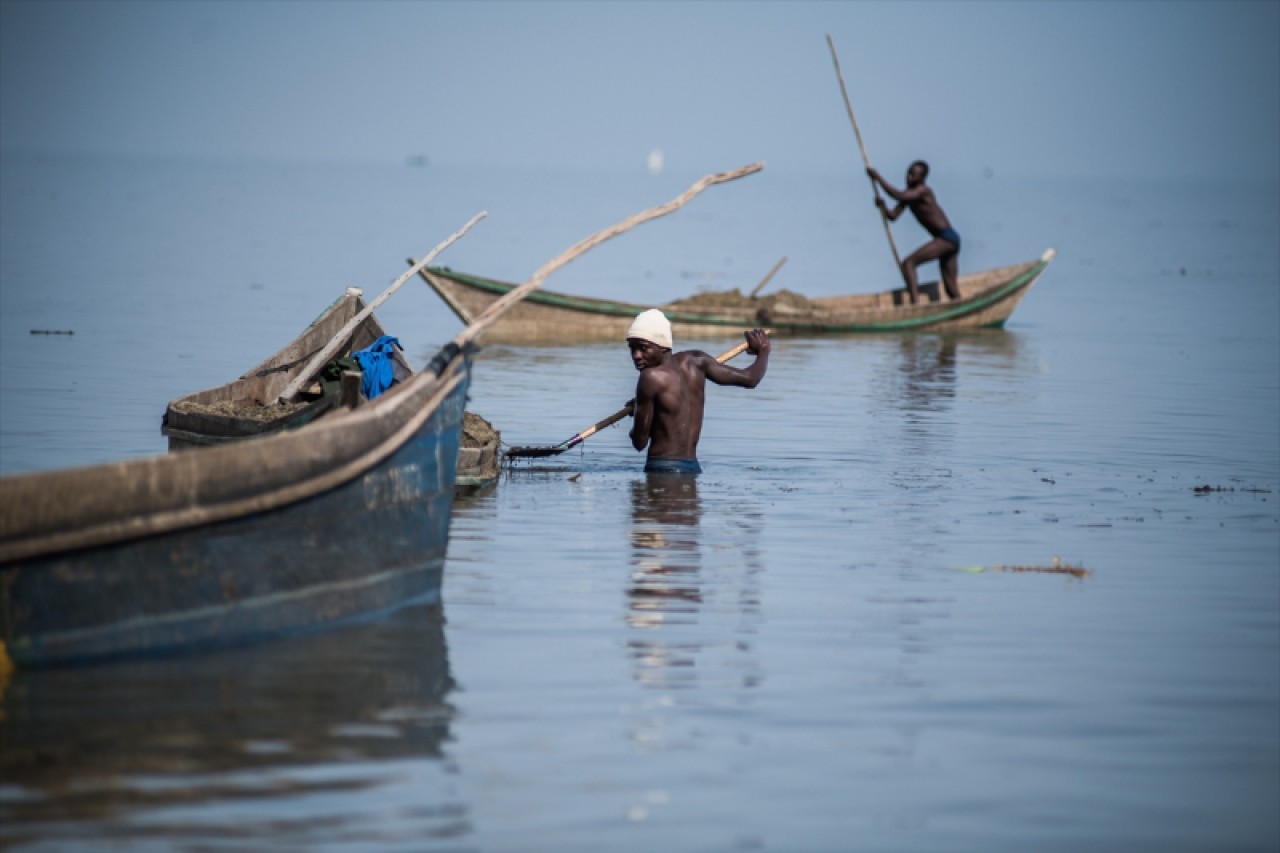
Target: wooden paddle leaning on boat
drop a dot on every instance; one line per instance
(556, 449)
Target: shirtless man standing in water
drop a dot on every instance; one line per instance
(671, 391)
(945, 245)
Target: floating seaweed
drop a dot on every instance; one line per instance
(1056, 567)
(1207, 489)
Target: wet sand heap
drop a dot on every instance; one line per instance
(735, 298)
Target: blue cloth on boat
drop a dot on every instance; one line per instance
(377, 366)
(661, 465)
(950, 235)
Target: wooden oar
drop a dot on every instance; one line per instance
(337, 341)
(765, 280)
(875, 188)
(625, 411)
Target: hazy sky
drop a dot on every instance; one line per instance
(1021, 88)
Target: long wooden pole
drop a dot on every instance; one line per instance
(337, 341)
(875, 188)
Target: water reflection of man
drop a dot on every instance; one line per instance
(929, 371)
(666, 588)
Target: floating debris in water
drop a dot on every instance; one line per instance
(51, 332)
(1207, 489)
(1056, 567)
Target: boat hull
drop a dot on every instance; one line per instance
(340, 520)
(987, 300)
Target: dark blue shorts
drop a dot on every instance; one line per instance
(672, 466)
(950, 236)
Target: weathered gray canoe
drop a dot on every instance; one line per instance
(988, 298)
(247, 407)
(340, 519)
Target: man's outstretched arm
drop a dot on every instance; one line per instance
(758, 344)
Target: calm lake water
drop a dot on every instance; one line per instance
(808, 647)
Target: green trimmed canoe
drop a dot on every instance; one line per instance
(987, 298)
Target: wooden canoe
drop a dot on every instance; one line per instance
(246, 407)
(340, 519)
(987, 299)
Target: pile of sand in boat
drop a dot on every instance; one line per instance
(736, 299)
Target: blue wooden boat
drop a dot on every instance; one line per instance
(344, 518)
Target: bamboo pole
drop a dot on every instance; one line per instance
(875, 188)
(321, 358)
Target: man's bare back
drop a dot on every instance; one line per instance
(671, 393)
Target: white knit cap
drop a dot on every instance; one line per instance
(653, 326)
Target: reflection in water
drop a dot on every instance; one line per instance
(666, 588)
(918, 396)
(111, 751)
(927, 390)
(693, 601)
(927, 367)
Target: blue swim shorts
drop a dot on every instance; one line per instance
(950, 235)
(672, 466)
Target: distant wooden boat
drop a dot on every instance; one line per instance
(987, 299)
(340, 519)
(247, 407)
